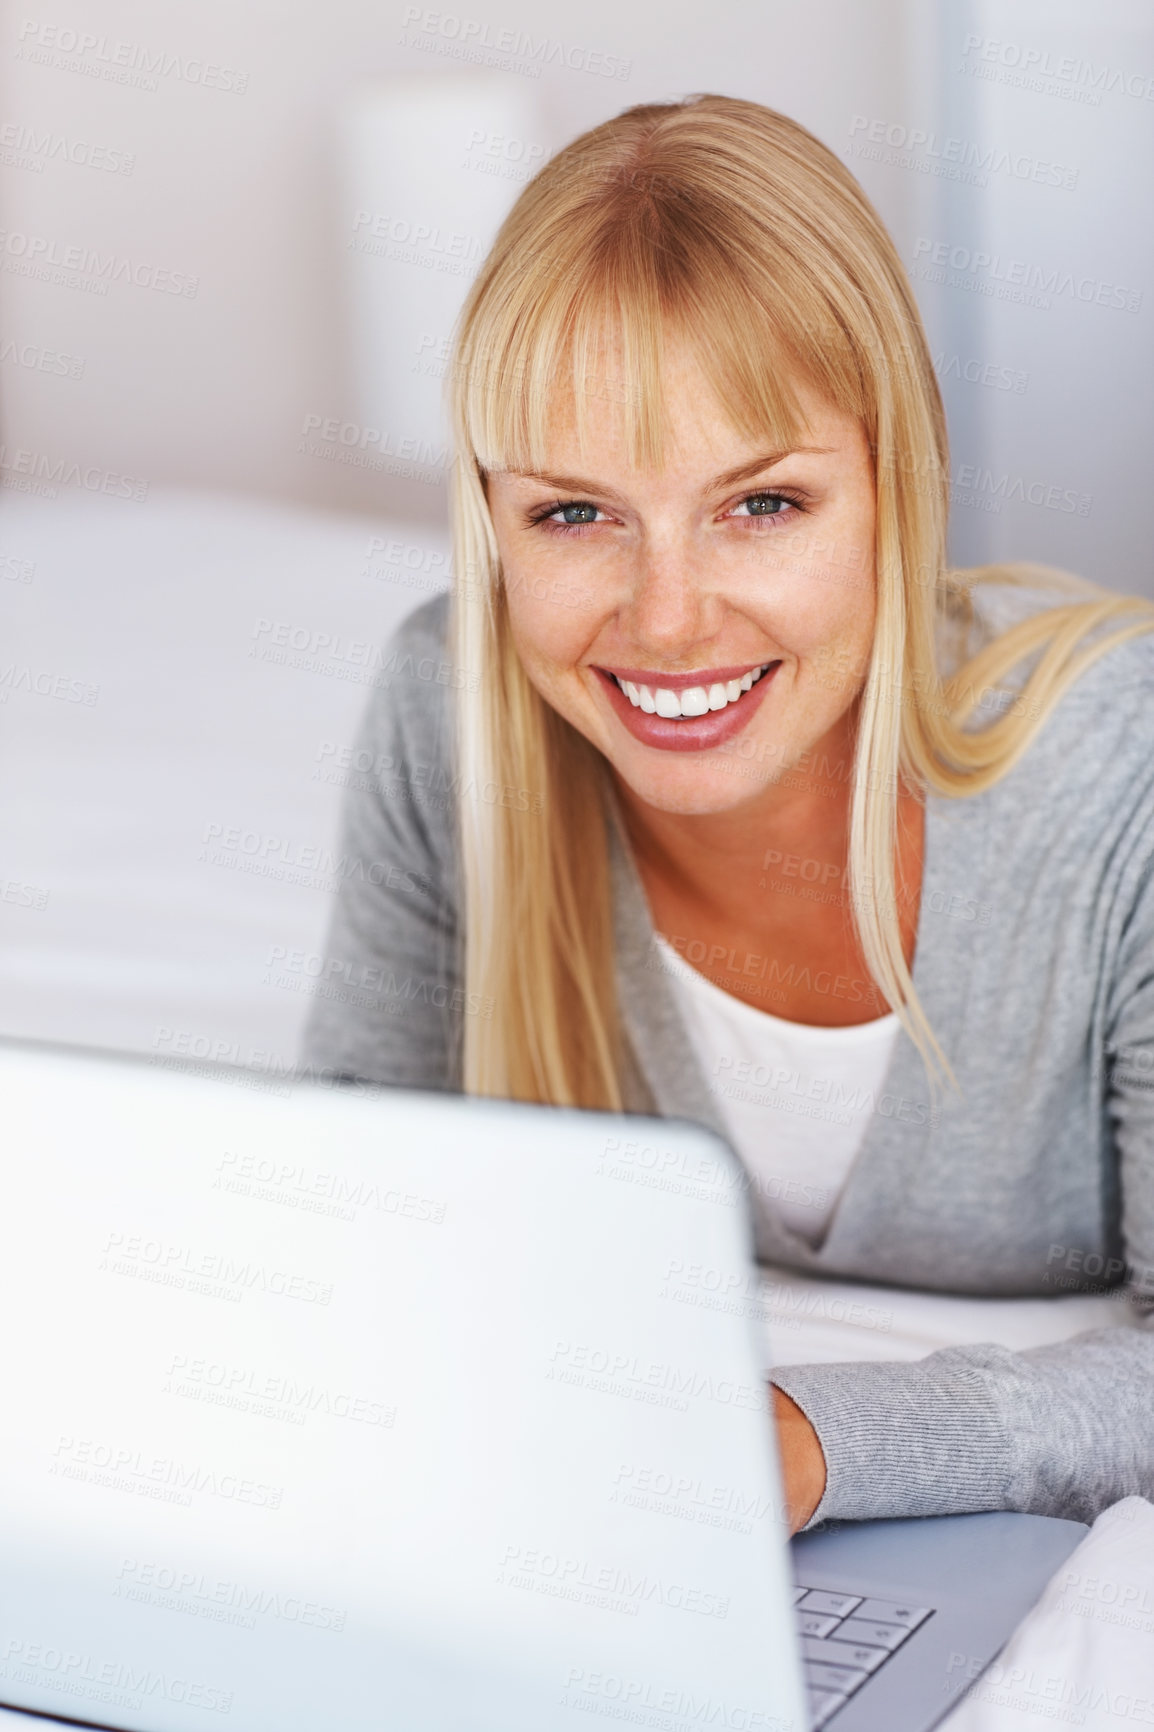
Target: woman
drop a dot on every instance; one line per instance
(708, 695)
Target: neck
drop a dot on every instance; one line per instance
(765, 885)
(799, 823)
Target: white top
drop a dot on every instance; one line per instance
(795, 1099)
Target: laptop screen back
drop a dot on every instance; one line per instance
(376, 1410)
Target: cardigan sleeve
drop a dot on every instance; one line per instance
(388, 1003)
(1065, 1429)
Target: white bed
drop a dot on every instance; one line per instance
(1085, 1655)
(121, 922)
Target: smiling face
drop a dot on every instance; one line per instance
(713, 612)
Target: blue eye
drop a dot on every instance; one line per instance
(573, 515)
(567, 516)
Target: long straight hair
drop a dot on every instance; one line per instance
(731, 227)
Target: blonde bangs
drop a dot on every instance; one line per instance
(588, 320)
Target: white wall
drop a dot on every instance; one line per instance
(239, 189)
(1045, 285)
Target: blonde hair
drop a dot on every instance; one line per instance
(731, 226)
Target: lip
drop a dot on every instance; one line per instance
(690, 733)
(681, 682)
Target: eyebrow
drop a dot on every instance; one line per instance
(728, 477)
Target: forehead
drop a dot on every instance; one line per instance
(637, 381)
(588, 424)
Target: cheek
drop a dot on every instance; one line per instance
(538, 630)
(551, 633)
(832, 641)
(824, 578)
(833, 612)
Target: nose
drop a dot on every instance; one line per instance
(671, 608)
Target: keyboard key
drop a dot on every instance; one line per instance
(843, 1653)
(888, 1636)
(817, 1600)
(821, 1677)
(823, 1703)
(815, 1623)
(798, 1594)
(889, 1612)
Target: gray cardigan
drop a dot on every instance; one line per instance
(1035, 965)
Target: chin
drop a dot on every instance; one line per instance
(721, 784)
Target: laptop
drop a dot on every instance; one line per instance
(367, 1409)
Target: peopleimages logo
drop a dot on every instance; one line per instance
(26, 471)
(117, 1682)
(616, 1695)
(663, 1491)
(219, 1598)
(163, 1479)
(477, 39)
(84, 267)
(1016, 279)
(309, 1183)
(955, 158)
(658, 1384)
(45, 684)
(609, 1587)
(41, 360)
(272, 1396)
(23, 147)
(1038, 69)
(973, 482)
(180, 1266)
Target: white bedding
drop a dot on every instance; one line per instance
(122, 922)
(1085, 1655)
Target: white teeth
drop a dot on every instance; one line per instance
(693, 700)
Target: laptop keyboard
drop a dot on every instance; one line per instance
(845, 1639)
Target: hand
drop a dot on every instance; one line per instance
(802, 1460)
